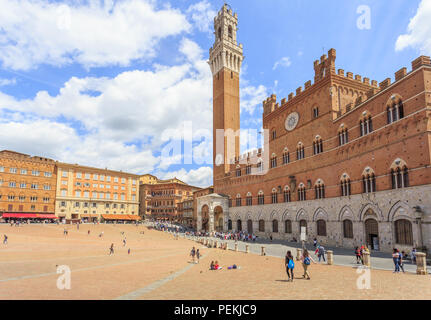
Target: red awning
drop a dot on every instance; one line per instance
(29, 215)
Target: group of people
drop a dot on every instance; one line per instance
(195, 254)
(237, 236)
(289, 262)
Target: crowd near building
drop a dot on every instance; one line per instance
(347, 158)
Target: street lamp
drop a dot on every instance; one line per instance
(419, 212)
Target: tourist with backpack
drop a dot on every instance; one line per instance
(290, 265)
(306, 261)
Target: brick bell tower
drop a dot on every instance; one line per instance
(225, 61)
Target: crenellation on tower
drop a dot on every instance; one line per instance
(226, 52)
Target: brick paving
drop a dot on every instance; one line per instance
(158, 268)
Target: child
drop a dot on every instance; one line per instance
(290, 265)
(212, 265)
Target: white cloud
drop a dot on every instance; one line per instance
(97, 33)
(283, 62)
(252, 96)
(201, 177)
(191, 50)
(7, 82)
(419, 31)
(202, 15)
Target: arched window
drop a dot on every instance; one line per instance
(238, 171)
(366, 124)
(403, 232)
(315, 112)
(300, 154)
(260, 165)
(303, 223)
(274, 134)
(321, 228)
(273, 160)
(239, 225)
(249, 199)
(317, 145)
(395, 109)
(343, 135)
(368, 181)
(286, 194)
(302, 193)
(345, 185)
(261, 226)
(286, 157)
(238, 200)
(248, 169)
(348, 229)
(319, 189)
(260, 198)
(274, 196)
(288, 226)
(230, 202)
(399, 174)
(275, 226)
(229, 224)
(219, 33)
(229, 31)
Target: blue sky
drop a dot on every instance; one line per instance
(111, 83)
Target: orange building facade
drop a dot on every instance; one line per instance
(27, 185)
(159, 199)
(96, 194)
(347, 158)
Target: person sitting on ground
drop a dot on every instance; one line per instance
(212, 265)
(216, 266)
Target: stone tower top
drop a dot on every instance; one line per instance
(226, 52)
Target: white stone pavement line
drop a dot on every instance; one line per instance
(87, 269)
(140, 292)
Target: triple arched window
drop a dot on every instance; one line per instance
(249, 199)
(395, 109)
(317, 145)
(399, 174)
(273, 160)
(274, 196)
(286, 194)
(345, 185)
(302, 193)
(319, 189)
(366, 125)
(368, 181)
(260, 198)
(343, 135)
(300, 153)
(286, 159)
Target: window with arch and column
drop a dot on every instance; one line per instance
(366, 125)
(321, 227)
(273, 160)
(300, 153)
(238, 200)
(249, 199)
(238, 225)
(403, 232)
(368, 181)
(395, 109)
(274, 196)
(348, 229)
(345, 186)
(302, 193)
(343, 135)
(275, 226)
(260, 198)
(399, 174)
(286, 158)
(261, 225)
(317, 145)
(286, 194)
(319, 189)
(287, 226)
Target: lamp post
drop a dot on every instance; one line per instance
(418, 215)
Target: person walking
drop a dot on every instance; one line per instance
(111, 249)
(306, 261)
(193, 253)
(5, 239)
(315, 242)
(198, 255)
(290, 265)
(396, 259)
(358, 255)
(413, 255)
(321, 253)
(400, 261)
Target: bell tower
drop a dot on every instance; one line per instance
(226, 57)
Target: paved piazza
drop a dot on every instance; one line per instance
(158, 268)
